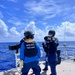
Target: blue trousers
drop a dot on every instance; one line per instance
(46, 63)
(35, 67)
(52, 63)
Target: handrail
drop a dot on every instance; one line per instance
(64, 51)
(67, 46)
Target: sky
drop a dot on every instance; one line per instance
(39, 16)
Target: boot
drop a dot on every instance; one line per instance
(45, 69)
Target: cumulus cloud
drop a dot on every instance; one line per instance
(37, 10)
(39, 34)
(14, 32)
(14, 35)
(3, 29)
(8, 35)
(66, 31)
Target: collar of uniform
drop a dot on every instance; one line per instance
(29, 40)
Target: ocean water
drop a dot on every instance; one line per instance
(7, 57)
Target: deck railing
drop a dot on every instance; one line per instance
(67, 53)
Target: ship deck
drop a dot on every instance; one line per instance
(67, 67)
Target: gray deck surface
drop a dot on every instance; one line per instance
(65, 68)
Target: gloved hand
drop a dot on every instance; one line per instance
(21, 64)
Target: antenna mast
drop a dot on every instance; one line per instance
(65, 51)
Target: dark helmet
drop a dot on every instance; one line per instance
(51, 32)
(28, 34)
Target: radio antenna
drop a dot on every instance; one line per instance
(65, 51)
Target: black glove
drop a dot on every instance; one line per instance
(45, 48)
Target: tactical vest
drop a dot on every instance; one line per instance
(30, 49)
(50, 46)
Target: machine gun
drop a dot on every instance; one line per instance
(14, 47)
(17, 46)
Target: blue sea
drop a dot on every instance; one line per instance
(7, 57)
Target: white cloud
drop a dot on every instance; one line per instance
(66, 31)
(8, 35)
(50, 8)
(16, 21)
(3, 29)
(14, 32)
(42, 8)
(38, 32)
(69, 13)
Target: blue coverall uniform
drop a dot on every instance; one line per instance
(52, 55)
(30, 62)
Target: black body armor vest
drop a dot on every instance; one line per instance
(30, 49)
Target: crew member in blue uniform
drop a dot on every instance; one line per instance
(29, 54)
(50, 48)
(46, 57)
